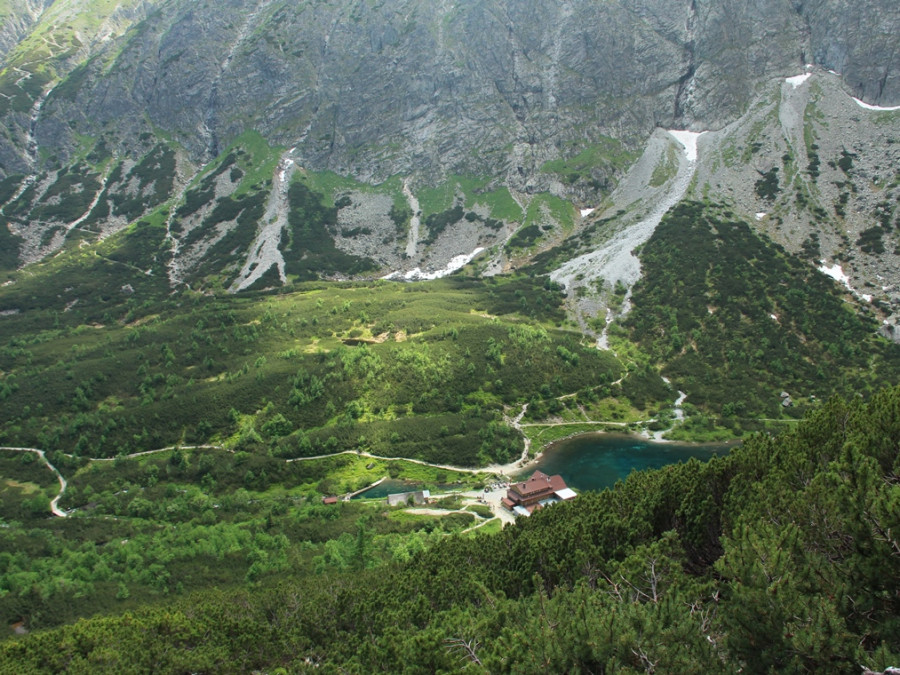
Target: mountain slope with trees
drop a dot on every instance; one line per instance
(735, 320)
(781, 557)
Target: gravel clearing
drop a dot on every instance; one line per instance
(615, 261)
(264, 252)
(414, 222)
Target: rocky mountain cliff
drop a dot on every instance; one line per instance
(436, 130)
(381, 88)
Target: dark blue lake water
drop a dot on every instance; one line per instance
(597, 461)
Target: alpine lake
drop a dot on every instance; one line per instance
(594, 461)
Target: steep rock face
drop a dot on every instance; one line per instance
(735, 46)
(859, 42)
(491, 86)
(55, 43)
(388, 89)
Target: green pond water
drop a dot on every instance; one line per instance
(597, 461)
(394, 485)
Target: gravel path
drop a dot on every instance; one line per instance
(794, 98)
(54, 505)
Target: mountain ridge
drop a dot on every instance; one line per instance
(511, 124)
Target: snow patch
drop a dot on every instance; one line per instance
(416, 274)
(869, 106)
(586, 212)
(283, 173)
(797, 80)
(688, 140)
(761, 215)
(836, 272)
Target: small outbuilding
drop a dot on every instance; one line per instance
(329, 500)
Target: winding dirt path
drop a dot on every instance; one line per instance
(577, 422)
(435, 512)
(516, 423)
(493, 468)
(54, 505)
(479, 524)
(157, 451)
(499, 469)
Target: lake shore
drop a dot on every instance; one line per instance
(597, 460)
